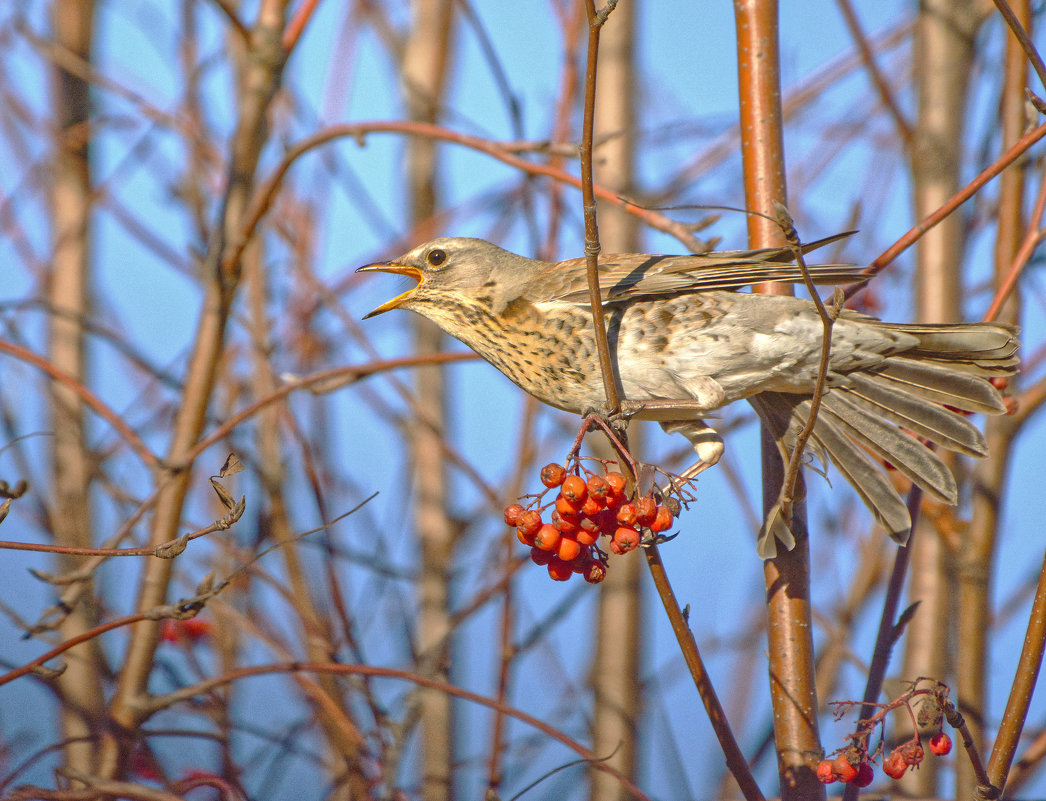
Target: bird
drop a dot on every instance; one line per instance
(685, 341)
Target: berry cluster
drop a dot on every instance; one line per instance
(584, 509)
(854, 763)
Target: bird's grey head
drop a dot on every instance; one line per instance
(457, 267)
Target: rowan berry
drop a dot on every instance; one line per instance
(574, 489)
(913, 754)
(626, 514)
(529, 522)
(526, 539)
(568, 549)
(626, 539)
(593, 506)
(585, 536)
(895, 765)
(825, 774)
(646, 510)
(940, 743)
(865, 775)
(559, 570)
(662, 520)
(843, 769)
(595, 571)
(540, 557)
(512, 513)
(615, 482)
(552, 474)
(566, 524)
(547, 538)
(597, 487)
(568, 507)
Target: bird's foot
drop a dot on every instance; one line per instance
(617, 418)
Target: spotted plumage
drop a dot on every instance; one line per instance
(685, 342)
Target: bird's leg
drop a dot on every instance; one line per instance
(706, 441)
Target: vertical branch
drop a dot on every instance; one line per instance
(787, 576)
(425, 66)
(71, 515)
(977, 549)
(588, 199)
(259, 80)
(944, 51)
(616, 661)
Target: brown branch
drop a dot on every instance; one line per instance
(1021, 35)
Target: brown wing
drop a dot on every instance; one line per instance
(628, 276)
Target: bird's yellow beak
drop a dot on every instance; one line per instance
(396, 269)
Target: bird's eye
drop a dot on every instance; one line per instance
(436, 257)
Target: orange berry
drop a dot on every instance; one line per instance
(512, 513)
(529, 522)
(1000, 382)
(566, 524)
(568, 549)
(559, 570)
(646, 510)
(662, 520)
(547, 538)
(895, 765)
(825, 774)
(586, 537)
(597, 487)
(940, 743)
(843, 770)
(615, 482)
(626, 539)
(526, 539)
(593, 506)
(552, 474)
(568, 507)
(540, 557)
(574, 489)
(626, 514)
(615, 499)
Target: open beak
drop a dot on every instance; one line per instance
(396, 269)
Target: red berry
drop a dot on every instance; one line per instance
(512, 513)
(574, 489)
(559, 570)
(607, 522)
(646, 510)
(913, 754)
(526, 539)
(825, 774)
(597, 487)
(940, 744)
(586, 537)
(529, 522)
(552, 474)
(843, 769)
(895, 765)
(595, 571)
(1000, 382)
(547, 538)
(626, 539)
(540, 557)
(865, 775)
(626, 514)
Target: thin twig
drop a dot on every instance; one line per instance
(1022, 37)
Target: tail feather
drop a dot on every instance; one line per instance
(903, 451)
(935, 423)
(882, 412)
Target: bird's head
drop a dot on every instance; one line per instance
(456, 270)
